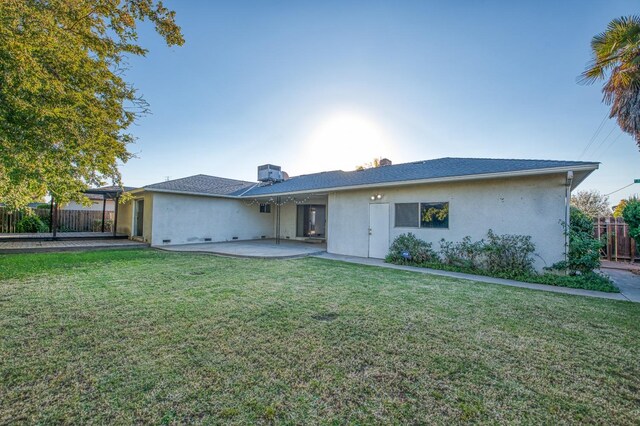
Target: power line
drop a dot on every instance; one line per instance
(606, 195)
(612, 142)
(603, 140)
(595, 135)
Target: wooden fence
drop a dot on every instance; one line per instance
(619, 246)
(68, 220)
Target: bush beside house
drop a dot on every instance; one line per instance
(501, 256)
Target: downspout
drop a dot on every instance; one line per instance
(567, 217)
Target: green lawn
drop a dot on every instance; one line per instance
(147, 336)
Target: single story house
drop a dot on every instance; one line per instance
(359, 213)
(98, 203)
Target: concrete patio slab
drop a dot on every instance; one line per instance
(265, 249)
(43, 246)
(481, 278)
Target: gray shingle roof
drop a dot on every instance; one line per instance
(419, 170)
(203, 184)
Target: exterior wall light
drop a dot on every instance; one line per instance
(376, 197)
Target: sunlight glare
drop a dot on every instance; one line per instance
(344, 140)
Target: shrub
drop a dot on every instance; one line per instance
(509, 255)
(97, 225)
(584, 248)
(466, 253)
(503, 256)
(408, 249)
(31, 223)
(631, 215)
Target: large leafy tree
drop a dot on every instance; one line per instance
(64, 104)
(616, 59)
(591, 203)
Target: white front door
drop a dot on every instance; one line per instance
(378, 230)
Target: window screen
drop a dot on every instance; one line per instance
(265, 208)
(434, 215)
(407, 215)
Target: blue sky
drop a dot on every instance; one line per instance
(315, 86)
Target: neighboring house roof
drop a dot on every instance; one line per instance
(92, 196)
(416, 171)
(441, 168)
(202, 184)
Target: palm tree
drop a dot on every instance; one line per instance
(616, 53)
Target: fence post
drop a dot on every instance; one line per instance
(615, 236)
(607, 222)
(51, 215)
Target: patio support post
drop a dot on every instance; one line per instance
(104, 208)
(54, 217)
(278, 220)
(51, 215)
(115, 215)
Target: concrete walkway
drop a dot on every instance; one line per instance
(262, 249)
(480, 278)
(627, 282)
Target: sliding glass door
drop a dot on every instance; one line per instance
(311, 221)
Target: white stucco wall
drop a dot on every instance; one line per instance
(526, 205)
(186, 219)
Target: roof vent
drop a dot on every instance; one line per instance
(385, 162)
(270, 173)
